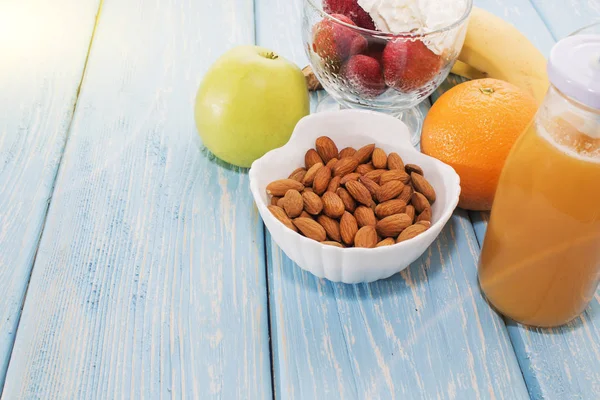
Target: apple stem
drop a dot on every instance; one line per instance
(486, 90)
(271, 56)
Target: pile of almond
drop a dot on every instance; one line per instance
(353, 198)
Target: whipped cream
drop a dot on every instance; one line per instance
(418, 16)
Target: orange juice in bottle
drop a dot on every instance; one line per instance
(540, 262)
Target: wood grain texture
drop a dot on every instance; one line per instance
(150, 276)
(43, 51)
(424, 333)
(562, 363)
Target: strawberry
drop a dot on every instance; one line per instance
(350, 9)
(363, 74)
(408, 65)
(375, 49)
(334, 42)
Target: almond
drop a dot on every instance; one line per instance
(322, 179)
(348, 228)
(311, 158)
(410, 168)
(333, 206)
(394, 224)
(410, 211)
(390, 207)
(419, 202)
(359, 192)
(304, 214)
(332, 162)
(394, 175)
(298, 174)
(331, 226)
(312, 203)
(363, 198)
(363, 155)
(406, 194)
(366, 237)
(375, 175)
(389, 191)
(349, 202)
(411, 232)
(350, 177)
(394, 161)
(311, 229)
(364, 168)
(280, 187)
(334, 184)
(310, 174)
(312, 82)
(345, 166)
(347, 152)
(425, 215)
(293, 203)
(371, 186)
(379, 158)
(326, 148)
(421, 185)
(386, 242)
(426, 224)
(365, 216)
(282, 217)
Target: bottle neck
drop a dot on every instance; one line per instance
(556, 105)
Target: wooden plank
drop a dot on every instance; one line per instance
(425, 333)
(150, 277)
(43, 50)
(561, 363)
(564, 17)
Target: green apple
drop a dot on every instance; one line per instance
(249, 103)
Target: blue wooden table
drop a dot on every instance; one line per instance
(133, 264)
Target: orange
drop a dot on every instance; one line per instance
(472, 127)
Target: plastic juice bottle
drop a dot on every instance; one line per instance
(540, 263)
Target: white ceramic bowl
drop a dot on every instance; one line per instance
(352, 128)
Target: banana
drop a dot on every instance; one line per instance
(466, 71)
(498, 50)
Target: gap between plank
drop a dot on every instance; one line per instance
(254, 28)
(265, 244)
(479, 242)
(49, 200)
(271, 353)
